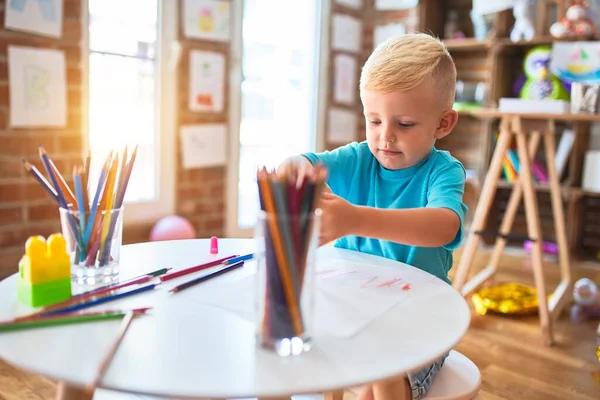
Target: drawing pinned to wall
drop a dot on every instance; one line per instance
(384, 32)
(395, 4)
(346, 80)
(576, 61)
(43, 17)
(206, 19)
(203, 145)
(347, 33)
(350, 3)
(207, 81)
(342, 126)
(37, 82)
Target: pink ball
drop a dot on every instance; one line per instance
(172, 227)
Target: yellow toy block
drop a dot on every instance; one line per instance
(45, 261)
(44, 271)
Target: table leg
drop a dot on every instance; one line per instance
(335, 395)
(68, 392)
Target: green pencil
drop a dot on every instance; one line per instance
(65, 320)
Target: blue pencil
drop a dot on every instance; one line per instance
(62, 202)
(101, 300)
(80, 206)
(94, 208)
(237, 259)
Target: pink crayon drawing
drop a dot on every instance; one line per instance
(406, 287)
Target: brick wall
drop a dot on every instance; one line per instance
(25, 209)
(200, 195)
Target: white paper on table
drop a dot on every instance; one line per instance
(43, 17)
(347, 298)
(203, 145)
(395, 4)
(350, 3)
(342, 126)
(206, 19)
(347, 33)
(207, 81)
(345, 79)
(38, 89)
(384, 32)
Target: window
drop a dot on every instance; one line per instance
(129, 98)
(277, 109)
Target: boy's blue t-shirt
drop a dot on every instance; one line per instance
(436, 182)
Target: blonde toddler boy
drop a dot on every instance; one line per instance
(395, 195)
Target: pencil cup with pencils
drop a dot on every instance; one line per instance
(94, 245)
(287, 235)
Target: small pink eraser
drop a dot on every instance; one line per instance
(214, 245)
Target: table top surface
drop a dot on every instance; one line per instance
(201, 342)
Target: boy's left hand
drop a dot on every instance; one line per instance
(336, 219)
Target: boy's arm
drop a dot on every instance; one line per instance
(340, 164)
(439, 224)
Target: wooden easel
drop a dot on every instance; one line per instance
(521, 126)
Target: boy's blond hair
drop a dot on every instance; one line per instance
(403, 62)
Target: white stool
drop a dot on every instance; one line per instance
(459, 379)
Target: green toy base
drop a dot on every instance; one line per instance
(43, 294)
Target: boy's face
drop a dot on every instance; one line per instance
(402, 126)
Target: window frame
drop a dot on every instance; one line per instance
(166, 97)
(232, 229)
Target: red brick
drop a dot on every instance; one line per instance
(74, 98)
(22, 144)
(3, 71)
(70, 144)
(72, 29)
(43, 212)
(11, 215)
(4, 95)
(22, 191)
(74, 119)
(72, 9)
(74, 77)
(192, 192)
(9, 261)
(18, 236)
(3, 119)
(11, 168)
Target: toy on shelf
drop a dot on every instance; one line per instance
(523, 28)
(587, 300)
(539, 83)
(44, 271)
(575, 24)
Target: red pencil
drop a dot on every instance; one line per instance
(191, 270)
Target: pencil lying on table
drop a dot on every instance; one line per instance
(186, 271)
(66, 320)
(206, 277)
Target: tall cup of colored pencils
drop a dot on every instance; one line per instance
(287, 235)
(91, 213)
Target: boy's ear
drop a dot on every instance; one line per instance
(446, 124)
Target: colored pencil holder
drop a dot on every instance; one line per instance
(94, 244)
(286, 246)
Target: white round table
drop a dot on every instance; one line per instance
(201, 342)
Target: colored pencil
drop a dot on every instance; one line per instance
(94, 206)
(288, 203)
(129, 282)
(69, 196)
(86, 177)
(237, 259)
(206, 277)
(77, 179)
(40, 178)
(101, 300)
(125, 324)
(62, 320)
(191, 270)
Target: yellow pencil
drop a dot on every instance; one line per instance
(109, 202)
(279, 254)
